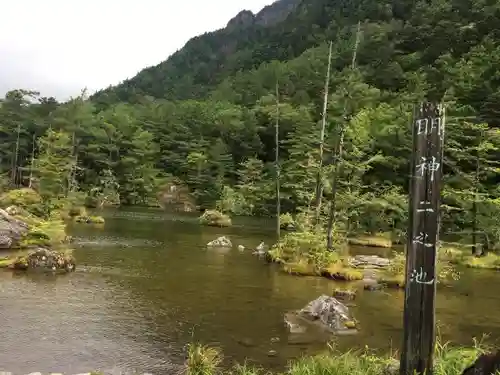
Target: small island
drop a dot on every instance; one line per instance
(31, 238)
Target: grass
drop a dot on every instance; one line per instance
(339, 271)
(462, 256)
(9, 260)
(304, 254)
(381, 240)
(448, 360)
(394, 275)
(202, 360)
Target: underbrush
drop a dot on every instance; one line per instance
(462, 257)
(215, 218)
(381, 240)
(448, 360)
(394, 275)
(305, 254)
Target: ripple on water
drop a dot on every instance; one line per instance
(108, 241)
(70, 325)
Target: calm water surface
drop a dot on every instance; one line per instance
(146, 286)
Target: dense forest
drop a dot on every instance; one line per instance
(206, 117)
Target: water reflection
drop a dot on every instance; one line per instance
(147, 285)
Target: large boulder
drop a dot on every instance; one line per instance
(46, 260)
(220, 242)
(328, 313)
(12, 230)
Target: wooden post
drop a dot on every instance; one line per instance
(423, 234)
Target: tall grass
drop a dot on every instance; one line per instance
(448, 360)
(202, 360)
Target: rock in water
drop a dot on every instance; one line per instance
(261, 249)
(45, 260)
(11, 230)
(220, 242)
(346, 295)
(330, 313)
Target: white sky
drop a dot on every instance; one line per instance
(58, 47)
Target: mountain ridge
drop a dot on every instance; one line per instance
(240, 31)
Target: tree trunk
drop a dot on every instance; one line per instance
(276, 164)
(338, 153)
(319, 177)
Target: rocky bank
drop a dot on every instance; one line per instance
(28, 242)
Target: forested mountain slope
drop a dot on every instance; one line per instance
(206, 59)
(206, 117)
(400, 38)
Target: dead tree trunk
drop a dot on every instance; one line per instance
(277, 164)
(319, 177)
(337, 158)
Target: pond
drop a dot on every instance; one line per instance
(146, 286)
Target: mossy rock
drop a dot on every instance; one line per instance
(287, 222)
(45, 260)
(350, 324)
(215, 218)
(35, 237)
(23, 215)
(25, 198)
(90, 219)
(338, 271)
(77, 211)
(46, 233)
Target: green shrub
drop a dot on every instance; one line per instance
(202, 360)
(25, 198)
(215, 218)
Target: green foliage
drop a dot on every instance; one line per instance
(107, 190)
(54, 165)
(202, 360)
(448, 360)
(307, 248)
(25, 198)
(215, 218)
(232, 202)
(207, 117)
(394, 275)
(287, 221)
(463, 257)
